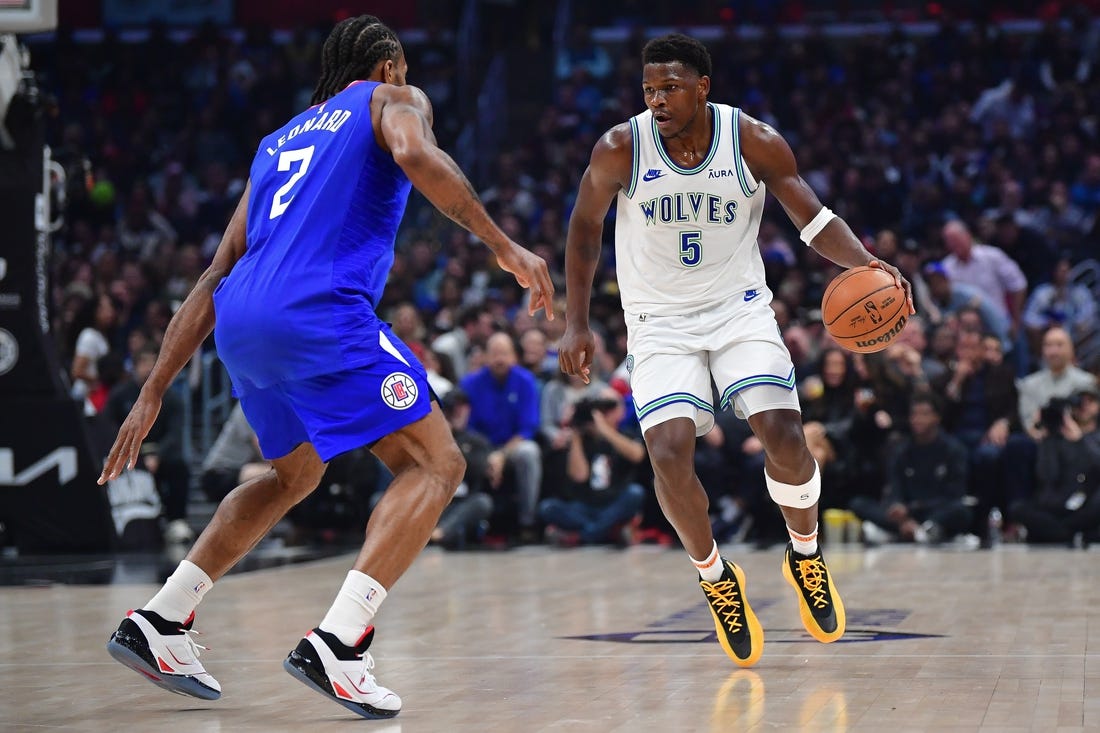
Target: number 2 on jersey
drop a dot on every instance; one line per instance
(690, 248)
(280, 201)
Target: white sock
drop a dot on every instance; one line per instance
(179, 595)
(712, 568)
(354, 607)
(803, 544)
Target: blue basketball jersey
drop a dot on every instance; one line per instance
(323, 213)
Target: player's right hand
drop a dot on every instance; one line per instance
(124, 453)
(576, 351)
(530, 272)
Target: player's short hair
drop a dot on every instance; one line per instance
(678, 47)
(351, 51)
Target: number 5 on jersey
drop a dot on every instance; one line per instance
(280, 201)
(690, 248)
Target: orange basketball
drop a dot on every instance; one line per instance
(864, 310)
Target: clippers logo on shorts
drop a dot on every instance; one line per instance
(399, 391)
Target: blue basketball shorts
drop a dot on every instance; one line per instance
(343, 410)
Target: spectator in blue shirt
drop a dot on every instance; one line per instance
(504, 407)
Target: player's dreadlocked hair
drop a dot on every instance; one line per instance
(678, 47)
(351, 52)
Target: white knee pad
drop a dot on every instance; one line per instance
(800, 496)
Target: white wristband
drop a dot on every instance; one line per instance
(816, 224)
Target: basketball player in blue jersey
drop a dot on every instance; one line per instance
(292, 291)
(689, 176)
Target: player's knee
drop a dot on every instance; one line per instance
(785, 442)
(450, 466)
(296, 488)
(671, 460)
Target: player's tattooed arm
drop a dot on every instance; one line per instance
(403, 127)
(407, 134)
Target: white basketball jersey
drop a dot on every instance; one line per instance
(685, 239)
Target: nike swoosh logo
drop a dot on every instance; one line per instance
(652, 175)
(751, 294)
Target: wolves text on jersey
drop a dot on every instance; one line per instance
(688, 207)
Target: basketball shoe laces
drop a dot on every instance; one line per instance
(813, 576)
(365, 670)
(726, 599)
(189, 635)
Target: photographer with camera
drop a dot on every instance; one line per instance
(1059, 377)
(601, 499)
(1066, 507)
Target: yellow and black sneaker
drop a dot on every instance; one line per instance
(819, 603)
(739, 632)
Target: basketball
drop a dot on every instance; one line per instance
(864, 309)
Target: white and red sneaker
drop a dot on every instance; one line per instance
(163, 652)
(342, 673)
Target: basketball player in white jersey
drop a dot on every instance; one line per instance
(690, 178)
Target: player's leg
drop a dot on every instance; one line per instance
(427, 466)
(794, 483)
(156, 639)
(672, 395)
(671, 448)
(394, 414)
(334, 658)
(755, 376)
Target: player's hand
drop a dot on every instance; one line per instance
(576, 350)
(124, 453)
(899, 280)
(530, 272)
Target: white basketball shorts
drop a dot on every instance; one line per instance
(737, 344)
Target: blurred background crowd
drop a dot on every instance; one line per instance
(963, 148)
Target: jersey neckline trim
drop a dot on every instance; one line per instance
(716, 137)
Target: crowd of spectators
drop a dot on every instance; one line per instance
(969, 157)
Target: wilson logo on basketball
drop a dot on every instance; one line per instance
(886, 337)
(399, 391)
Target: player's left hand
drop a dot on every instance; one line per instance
(124, 453)
(899, 279)
(531, 272)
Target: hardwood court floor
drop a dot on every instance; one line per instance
(598, 640)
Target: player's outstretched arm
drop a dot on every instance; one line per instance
(189, 327)
(406, 132)
(770, 159)
(608, 171)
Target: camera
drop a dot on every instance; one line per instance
(582, 411)
(1052, 415)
